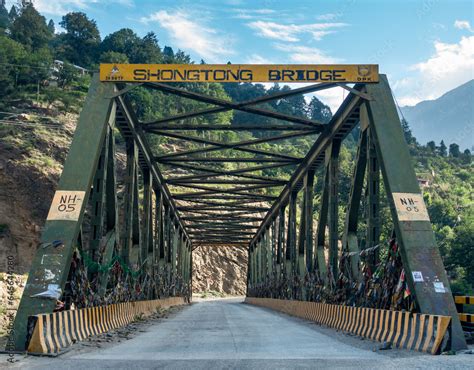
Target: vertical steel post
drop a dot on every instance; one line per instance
(349, 238)
(291, 237)
(111, 213)
(51, 264)
(300, 263)
(280, 242)
(308, 194)
(147, 228)
(128, 202)
(98, 199)
(321, 231)
(373, 200)
(333, 166)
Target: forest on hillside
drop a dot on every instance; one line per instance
(38, 64)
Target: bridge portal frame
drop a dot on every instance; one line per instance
(274, 249)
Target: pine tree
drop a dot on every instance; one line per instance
(51, 27)
(442, 149)
(168, 54)
(409, 138)
(4, 18)
(13, 14)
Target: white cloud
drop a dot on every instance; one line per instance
(306, 55)
(463, 25)
(61, 7)
(292, 32)
(450, 66)
(332, 97)
(327, 17)
(188, 34)
(258, 59)
(252, 13)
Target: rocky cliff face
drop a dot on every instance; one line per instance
(220, 269)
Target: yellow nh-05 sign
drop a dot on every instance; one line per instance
(239, 73)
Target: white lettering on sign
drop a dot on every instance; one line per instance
(66, 205)
(410, 207)
(417, 276)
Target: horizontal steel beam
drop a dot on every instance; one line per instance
(219, 244)
(214, 201)
(214, 226)
(229, 160)
(212, 195)
(225, 105)
(254, 209)
(229, 190)
(221, 240)
(228, 127)
(178, 182)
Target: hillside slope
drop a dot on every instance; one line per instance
(449, 118)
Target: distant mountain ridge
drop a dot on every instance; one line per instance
(449, 118)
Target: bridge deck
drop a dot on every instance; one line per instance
(229, 334)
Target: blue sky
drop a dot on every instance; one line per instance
(425, 47)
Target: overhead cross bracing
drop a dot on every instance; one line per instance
(250, 189)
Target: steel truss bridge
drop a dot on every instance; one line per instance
(125, 219)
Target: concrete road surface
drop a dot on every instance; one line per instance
(228, 334)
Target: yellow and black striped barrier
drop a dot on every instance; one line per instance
(463, 300)
(56, 331)
(467, 319)
(407, 330)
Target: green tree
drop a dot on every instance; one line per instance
(442, 149)
(137, 50)
(13, 14)
(462, 253)
(51, 26)
(10, 59)
(319, 111)
(35, 68)
(409, 138)
(67, 74)
(30, 29)
(113, 57)
(4, 18)
(168, 54)
(123, 41)
(454, 150)
(466, 156)
(431, 145)
(80, 44)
